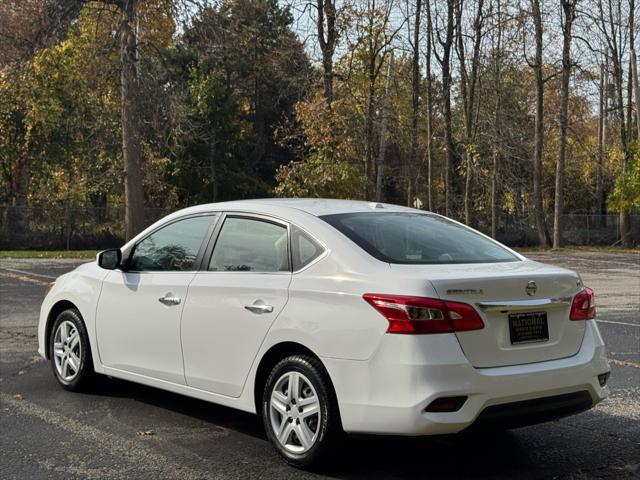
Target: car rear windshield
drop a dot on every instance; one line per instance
(415, 238)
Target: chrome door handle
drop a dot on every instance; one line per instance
(169, 300)
(259, 308)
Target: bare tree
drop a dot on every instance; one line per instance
(429, 103)
(569, 14)
(377, 35)
(383, 130)
(636, 88)
(538, 211)
(133, 189)
(496, 122)
(327, 37)
(446, 44)
(632, 38)
(602, 127)
(609, 22)
(468, 83)
(415, 94)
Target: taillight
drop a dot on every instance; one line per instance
(411, 315)
(583, 306)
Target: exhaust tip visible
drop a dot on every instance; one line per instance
(603, 378)
(446, 404)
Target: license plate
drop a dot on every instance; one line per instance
(528, 327)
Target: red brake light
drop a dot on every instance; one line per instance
(583, 306)
(419, 315)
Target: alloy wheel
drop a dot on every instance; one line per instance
(295, 412)
(67, 351)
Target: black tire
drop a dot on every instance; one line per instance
(85, 373)
(328, 428)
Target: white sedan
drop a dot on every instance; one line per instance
(331, 316)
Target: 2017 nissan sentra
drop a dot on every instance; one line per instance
(330, 316)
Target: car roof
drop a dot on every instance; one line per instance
(313, 206)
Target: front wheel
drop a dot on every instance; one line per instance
(299, 411)
(70, 351)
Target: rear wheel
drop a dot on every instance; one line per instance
(299, 411)
(70, 351)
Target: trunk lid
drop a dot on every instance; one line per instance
(498, 290)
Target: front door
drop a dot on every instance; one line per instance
(232, 304)
(138, 315)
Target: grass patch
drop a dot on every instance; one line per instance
(48, 254)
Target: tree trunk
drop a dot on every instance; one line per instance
(601, 128)
(415, 90)
(327, 41)
(368, 165)
(496, 128)
(212, 167)
(467, 92)
(448, 131)
(605, 138)
(636, 89)
(625, 219)
(383, 131)
(20, 188)
(630, 74)
(569, 8)
(133, 188)
(429, 101)
(538, 207)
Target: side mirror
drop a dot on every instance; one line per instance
(109, 259)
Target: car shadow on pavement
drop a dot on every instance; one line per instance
(360, 456)
(210, 413)
(552, 450)
(453, 456)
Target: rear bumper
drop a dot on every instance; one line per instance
(530, 412)
(388, 393)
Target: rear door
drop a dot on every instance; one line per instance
(234, 301)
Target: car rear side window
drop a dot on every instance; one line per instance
(250, 245)
(304, 249)
(415, 238)
(171, 248)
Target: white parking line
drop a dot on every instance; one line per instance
(27, 273)
(619, 323)
(127, 451)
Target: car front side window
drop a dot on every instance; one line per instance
(172, 248)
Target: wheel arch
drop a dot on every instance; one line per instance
(271, 357)
(57, 308)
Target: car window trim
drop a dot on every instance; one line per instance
(201, 250)
(213, 240)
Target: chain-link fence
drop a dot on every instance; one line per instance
(74, 228)
(58, 227)
(577, 230)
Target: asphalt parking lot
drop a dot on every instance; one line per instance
(123, 430)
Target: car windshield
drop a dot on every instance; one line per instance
(416, 238)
